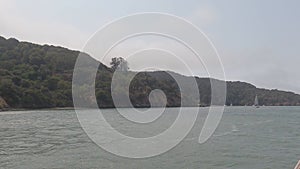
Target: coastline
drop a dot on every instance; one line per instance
(72, 108)
(29, 109)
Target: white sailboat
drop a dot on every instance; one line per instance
(256, 104)
(298, 165)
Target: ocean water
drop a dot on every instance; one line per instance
(247, 138)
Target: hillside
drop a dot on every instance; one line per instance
(40, 76)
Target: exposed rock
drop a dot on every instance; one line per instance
(3, 103)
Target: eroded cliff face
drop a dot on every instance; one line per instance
(3, 103)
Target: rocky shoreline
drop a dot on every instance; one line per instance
(3, 104)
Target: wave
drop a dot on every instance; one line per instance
(259, 122)
(233, 130)
(15, 112)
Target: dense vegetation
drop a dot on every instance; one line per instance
(35, 76)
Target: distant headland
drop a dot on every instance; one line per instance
(36, 76)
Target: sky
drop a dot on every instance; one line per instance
(257, 41)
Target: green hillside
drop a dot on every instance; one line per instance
(36, 76)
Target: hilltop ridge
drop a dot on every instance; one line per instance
(40, 76)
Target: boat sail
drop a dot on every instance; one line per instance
(256, 104)
(298, 165)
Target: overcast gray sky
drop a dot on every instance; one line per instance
(258, 41)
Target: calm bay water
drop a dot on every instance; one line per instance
(247, 138)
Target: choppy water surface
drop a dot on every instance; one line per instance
(247, 138)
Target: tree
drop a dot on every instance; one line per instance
(119, 63)
(52, 83)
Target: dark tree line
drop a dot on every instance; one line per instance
(35, 76)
